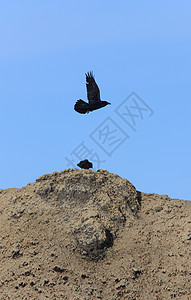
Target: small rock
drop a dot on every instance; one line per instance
(85, 164)
(27, 273)
(16, 254)
(58, 269)
(23, 284)
(45, 190)
(46, 281)
(18, 214)
(65, 278)
(159, 208)
(135, 273)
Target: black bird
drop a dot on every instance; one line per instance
(93, 95)
(85, 164)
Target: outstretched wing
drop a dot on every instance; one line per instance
(81, 106)
(93, 93)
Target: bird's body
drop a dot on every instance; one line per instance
(85, 164)
(93, 95)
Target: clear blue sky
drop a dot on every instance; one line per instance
(132, 46)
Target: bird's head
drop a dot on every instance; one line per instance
(104, 103)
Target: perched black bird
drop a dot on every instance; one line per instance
(85, 164)
(93, 95)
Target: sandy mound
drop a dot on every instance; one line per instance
(81, 234)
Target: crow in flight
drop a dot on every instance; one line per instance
(93, 95)
(85, 164)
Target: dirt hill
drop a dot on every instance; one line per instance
(81, 234)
